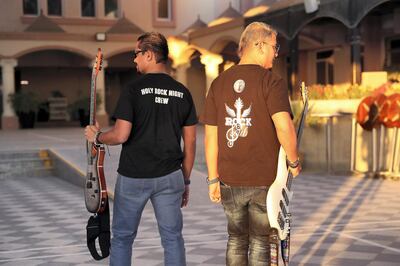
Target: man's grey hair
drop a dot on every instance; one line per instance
(253, 33)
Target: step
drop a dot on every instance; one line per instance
(25, 163)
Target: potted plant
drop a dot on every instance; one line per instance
(25, 105)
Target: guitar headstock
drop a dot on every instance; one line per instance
(99, 61)
(304, 92)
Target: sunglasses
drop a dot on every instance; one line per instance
(135, 53)
(275, 47)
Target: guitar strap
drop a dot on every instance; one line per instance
(285, 249)
(99, 227)
(273, 247)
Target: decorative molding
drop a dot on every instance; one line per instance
(217, 28)
(87, 21)
(56, 36)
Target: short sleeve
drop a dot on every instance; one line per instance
(277, 97)
(191, 118)
(209, 116)
(124, 109)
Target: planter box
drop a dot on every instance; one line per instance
(330, 106)
(314, 142)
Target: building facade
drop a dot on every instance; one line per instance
(48, 46)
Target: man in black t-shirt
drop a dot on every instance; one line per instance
(153, 114)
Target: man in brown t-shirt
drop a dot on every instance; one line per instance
(247, 118)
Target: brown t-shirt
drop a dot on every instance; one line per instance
(241, 102)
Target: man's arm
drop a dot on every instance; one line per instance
(116, 135)
(211, 152)
(189, 149)
(287, 137)
(189, 152)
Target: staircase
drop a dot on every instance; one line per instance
(25, 164)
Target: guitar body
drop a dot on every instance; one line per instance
(95, 189)
(95, 185)
(279, 197)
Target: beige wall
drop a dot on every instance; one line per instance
(374, 44)
(342, 66)
(10, 16)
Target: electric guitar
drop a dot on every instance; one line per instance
(95, 185)
(280, 194)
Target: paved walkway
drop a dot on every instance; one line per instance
(338, 220)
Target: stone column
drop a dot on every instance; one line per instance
(8, 119)
(211, 63)
(355, 42)
(181, 73)
(101, 114)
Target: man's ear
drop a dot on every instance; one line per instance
(259, 48)
(149, 55)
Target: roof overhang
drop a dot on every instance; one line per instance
(288, 17)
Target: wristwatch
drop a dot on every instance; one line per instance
(293, 164)
(187, 181)
(96, 138)
(212, 181)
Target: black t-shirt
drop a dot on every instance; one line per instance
(158, 107)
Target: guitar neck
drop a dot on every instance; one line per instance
(301, 124)
(93, 100)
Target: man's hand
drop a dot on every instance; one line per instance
(295, 171)
(90, 132)
(185, 197)
(214, 191)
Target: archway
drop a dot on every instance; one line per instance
(323, 52)
(55, 76)
(196, 81)
(229, 55)
(380, 32)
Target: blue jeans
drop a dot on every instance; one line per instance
(248, 227)
(131, 196)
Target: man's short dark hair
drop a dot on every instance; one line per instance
(155, 42)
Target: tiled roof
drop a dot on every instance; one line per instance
(124, 25)
(196, 25)
(43, 24)
(230, 12)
